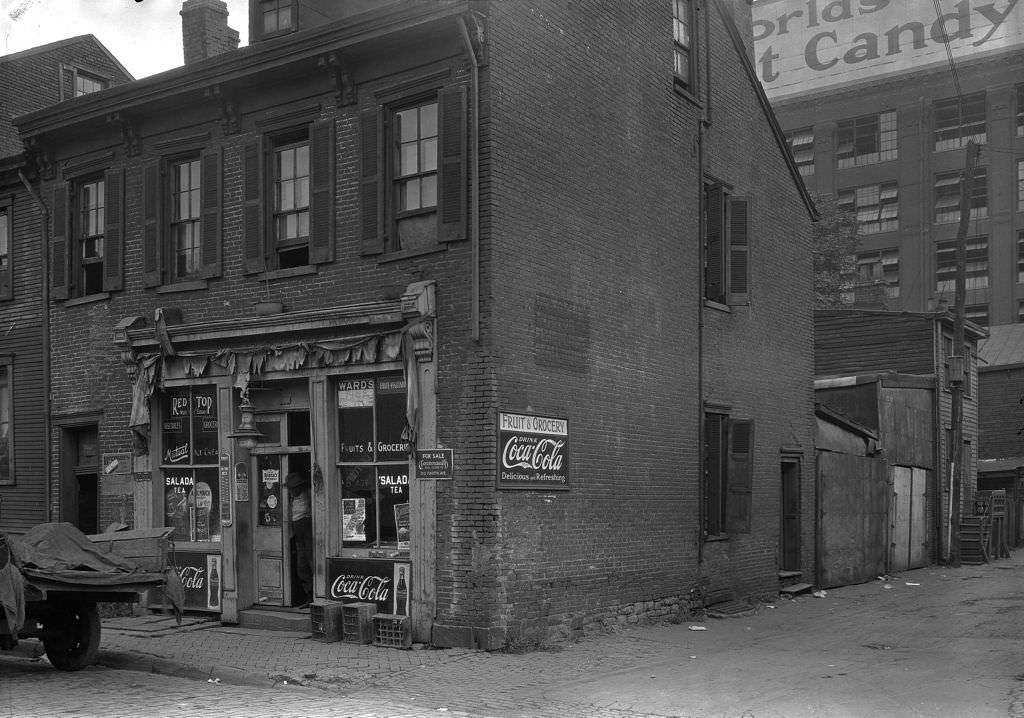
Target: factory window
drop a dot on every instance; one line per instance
(728, 454)
(947, 195)
(976, 264)
(876, 206)
(957, 122)
(801, 144)
(883, 265)
(866, 140)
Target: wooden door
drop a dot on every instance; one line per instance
(789, 549)
(852, 493)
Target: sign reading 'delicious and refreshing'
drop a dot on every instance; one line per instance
(533, 452)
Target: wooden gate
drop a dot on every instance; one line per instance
(852, 520)
(908, 518)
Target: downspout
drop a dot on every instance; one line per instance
(702, 124)
(44, 296)
(474, 185)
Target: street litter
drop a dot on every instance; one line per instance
(698, 628)
(887, 586)
(911, 583)
(819, 594)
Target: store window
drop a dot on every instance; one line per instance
(373, 463)
(189, 463)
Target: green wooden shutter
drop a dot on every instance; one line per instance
(210, 214)
(739, 250)
(452, 206)
(253, 217)
(59, 243)
(113, 231)
(714, 246)
(152, 261)
(322, 163)
(371, 190)
(739, 478)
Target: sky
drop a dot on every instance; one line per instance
(144, 35)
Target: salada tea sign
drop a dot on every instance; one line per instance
(533, 452)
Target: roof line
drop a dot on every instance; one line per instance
(773, 121)
(63, 43)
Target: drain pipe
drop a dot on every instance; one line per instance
(474, 185)
(44, 295)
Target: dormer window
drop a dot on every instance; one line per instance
(278, 16)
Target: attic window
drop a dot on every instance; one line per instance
(277, 16)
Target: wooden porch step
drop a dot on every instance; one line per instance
(796, 588)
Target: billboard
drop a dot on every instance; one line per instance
(807, 45)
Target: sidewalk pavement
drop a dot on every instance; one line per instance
(934, 641)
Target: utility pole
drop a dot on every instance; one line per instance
(957, 362)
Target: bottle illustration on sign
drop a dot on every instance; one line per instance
(401, 593)
(214, 601)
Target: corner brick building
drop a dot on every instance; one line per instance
(523, 290)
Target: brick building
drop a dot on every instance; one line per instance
(559, 250)
(31, 80)
(878, 120)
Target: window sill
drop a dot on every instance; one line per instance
(191, 286)
(409, 253)
(91, 299)
(686, 91)
(717, 306)
(303, 271)
(716, 537)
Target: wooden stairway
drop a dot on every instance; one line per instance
(974, 539)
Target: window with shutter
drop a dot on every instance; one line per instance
(726, 246)
(715, 455)
(738, 500)
(727, 486)
(413, 174)
(6, 232)
(88, 224)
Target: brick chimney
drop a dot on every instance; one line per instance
(205, 31)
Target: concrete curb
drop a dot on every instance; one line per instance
(165, 667)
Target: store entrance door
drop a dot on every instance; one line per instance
(276, 567)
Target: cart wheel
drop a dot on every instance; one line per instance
(73, 637)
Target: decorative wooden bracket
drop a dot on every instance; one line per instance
(229, 120)
(41, 158)
(477, 36)
(344, 88)
(129, 132)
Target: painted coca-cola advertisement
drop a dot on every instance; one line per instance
(534, 452)
(200, 575)
(385, 583)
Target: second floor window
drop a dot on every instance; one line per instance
(947, 195)
(291, 204)
(801, 144)
(976, 265)
(185, 216)
(1020, 256)
(957, 122)
(876, 207)
(6, 409)
(1020, 185)
(682, 37)
(415, 177)
(89, 223)
(726, 246)
(1020, 110)
(866, 140)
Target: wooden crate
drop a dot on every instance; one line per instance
(145, 547)
(326, 621)
(391, 631)
(357, 622)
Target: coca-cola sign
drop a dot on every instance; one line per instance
(384, 583)
(533, 452)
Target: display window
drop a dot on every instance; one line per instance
(189, 463)
(373, 465)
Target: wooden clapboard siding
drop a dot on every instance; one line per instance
(853, 342)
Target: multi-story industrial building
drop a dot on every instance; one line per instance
(522, 288)
(879, 100)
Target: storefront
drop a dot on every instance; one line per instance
(228, 420)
